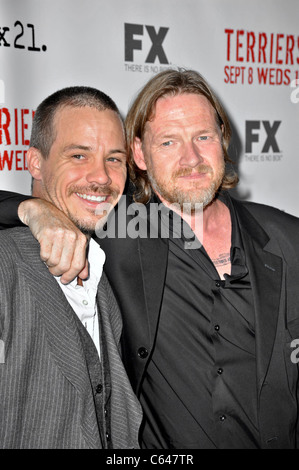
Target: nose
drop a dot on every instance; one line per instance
(191, 155)
(98, 173)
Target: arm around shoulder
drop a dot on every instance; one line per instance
(9, 209)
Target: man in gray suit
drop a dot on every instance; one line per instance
(62, 381)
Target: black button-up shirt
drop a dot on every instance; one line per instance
(200, 386)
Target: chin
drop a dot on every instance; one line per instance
(85, 226)
(204, 197)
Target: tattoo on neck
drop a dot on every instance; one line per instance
(222, 260)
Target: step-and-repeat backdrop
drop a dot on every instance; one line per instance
(248, 51)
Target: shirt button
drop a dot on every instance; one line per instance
(222, 418)
(217, 283)
(99, 388)
(108, 437)
(216, 327)
(84, 302)
(219, 371)
(143, 353)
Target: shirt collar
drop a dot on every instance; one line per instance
(96, 259)
(236, 234)
(238, 260)
(178, 228)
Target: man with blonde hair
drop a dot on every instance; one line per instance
(207, 327)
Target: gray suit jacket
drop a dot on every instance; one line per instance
(46, 398)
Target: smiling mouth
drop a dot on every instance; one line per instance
(93, 198)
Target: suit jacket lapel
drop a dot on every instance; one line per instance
(126, 414)
(63, 337)
(266, 271)
(147, 259)
(152, 264)
(153, 255)
(153, 258)
(265, 268)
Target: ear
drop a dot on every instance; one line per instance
(138, 154)
(34, 162)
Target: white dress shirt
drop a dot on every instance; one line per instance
(83, 298)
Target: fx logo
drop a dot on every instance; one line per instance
(251, 136)
(157, 38)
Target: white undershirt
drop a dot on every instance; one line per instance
(83, 298)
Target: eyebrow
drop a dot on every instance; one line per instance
(86, 148)
(209, 130)
(173, 135)
(117, 151)
(76, 147)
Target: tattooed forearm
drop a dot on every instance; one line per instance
(222, 260)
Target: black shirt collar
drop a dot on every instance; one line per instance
(179, 229)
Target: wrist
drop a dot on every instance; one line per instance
(25, 210)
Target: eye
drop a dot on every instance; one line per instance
(78, 157)
(203, 137)
(167, 143)
(119, 159)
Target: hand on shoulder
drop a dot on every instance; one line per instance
(62, 244)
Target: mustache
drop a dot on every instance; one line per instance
(188, 171)
(94, 189)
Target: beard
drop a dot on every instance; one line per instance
(87, 225)
(195, 194)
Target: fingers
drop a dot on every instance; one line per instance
(74, 272)
(65, 253)
(51, 247)
(62, 244)
(85, 271)
(79, 263)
